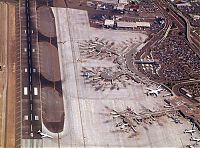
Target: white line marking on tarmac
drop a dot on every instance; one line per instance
(30, 89)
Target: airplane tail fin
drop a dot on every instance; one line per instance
(193, 126)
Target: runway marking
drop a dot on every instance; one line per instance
(36, 118)
(31, 134)
(25, 91)
(35, 91)
(30, 89)
(31, 127)
(25, 117)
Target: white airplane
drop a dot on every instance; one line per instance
(63, 42)
(190, 145)
(167, 95)
(87, 75)
(176, 120)
(195, 139)
(81, 60)
(154, 91)
(167, 106)
(44, 135)
(190, 131)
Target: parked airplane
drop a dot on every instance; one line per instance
(176, 120)
(63, 42)
(190, 131)
(87, 75)
(190, 145)
(44, 135)
(167, 95)
(81, 60)
(154, 91)
(167, 106)
(195, 139)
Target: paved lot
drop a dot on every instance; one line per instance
(85, 125)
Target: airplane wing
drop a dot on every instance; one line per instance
(159, 87)
(149, 89)
(153, 93)
(46, 136)
(49, 136)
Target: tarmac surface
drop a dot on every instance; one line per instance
(84, 124)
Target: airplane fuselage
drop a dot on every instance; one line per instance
(189, 131)
(195, 139)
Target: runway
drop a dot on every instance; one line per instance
(31, 112)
